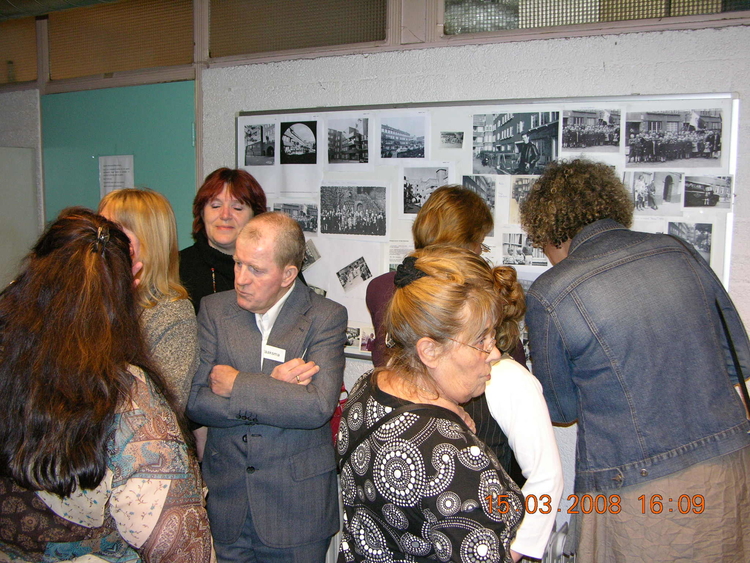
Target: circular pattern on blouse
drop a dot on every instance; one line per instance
(368, 539)
(399, 471)
(395, 427)
(360, 458)
(370, 491)
(442, 546)
(395, 516)
(356, 416)
(449, 429)
(374, 411)
(448, 503)
(348, 485)
(480, 546)
(490, 484)
(414, 545)
(474, 458)
(443, 461)
(342, 439)
(469, 505)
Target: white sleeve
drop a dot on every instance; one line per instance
(516, 402)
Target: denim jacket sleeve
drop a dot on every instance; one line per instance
(550, 363)
(732, 321)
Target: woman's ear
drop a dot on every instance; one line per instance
(429, 351)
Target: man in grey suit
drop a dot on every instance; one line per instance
(272, 363)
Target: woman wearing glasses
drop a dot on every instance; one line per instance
(416, 482)
(512, 417)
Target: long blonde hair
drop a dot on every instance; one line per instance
(150, 217)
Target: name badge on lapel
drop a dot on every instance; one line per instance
(274, 353)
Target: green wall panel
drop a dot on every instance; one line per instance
(154, 123)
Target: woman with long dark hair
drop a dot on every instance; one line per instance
(93, 460)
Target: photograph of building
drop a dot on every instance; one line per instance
(514, 143)
(347, 141)
(260, 144)
(402, 137)
(299, 143)
(419, 183)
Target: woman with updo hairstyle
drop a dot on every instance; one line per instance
(511, 418)
(415, 479)
(93, 460)
(167, 316)
(226, 201)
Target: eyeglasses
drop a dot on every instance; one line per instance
(488, 349)
(484, 248)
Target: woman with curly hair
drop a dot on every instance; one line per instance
(631, 336)
(93, 460)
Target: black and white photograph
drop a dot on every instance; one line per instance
(347, 141)
(451, 139)
(352, 337)
(311, 255)
(306, 214)
(299, 142)
(654, 192)
(684, 138)
(515, 143)
(353, 210)
(419, 183)
(708, 191)
(697, 234)
(519, 189)
(354, 274)
(517, 251)
(260, 144)
(484, 187)
(591, 130)
(403, 136)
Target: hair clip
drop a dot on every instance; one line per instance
(407, 272)
(102, 238)
(389, 342)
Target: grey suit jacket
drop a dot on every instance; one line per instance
(269, 446)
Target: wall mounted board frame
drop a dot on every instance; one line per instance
(355, 177)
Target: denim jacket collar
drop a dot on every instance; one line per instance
(593, 230)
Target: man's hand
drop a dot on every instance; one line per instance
(296, 371)
(222, 379)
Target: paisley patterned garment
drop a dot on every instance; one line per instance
(149, 506)
(416, 488)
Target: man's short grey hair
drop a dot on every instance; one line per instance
(289, 239)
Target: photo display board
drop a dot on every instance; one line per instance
(355, 177)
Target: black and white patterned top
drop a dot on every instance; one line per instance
(416, 489)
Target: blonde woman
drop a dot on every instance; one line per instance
(167, 315)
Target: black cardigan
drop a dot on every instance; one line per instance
(196, 264)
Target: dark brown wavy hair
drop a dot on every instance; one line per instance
(69, 329)
(571, 195)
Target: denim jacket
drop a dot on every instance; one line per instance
(626, 338)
